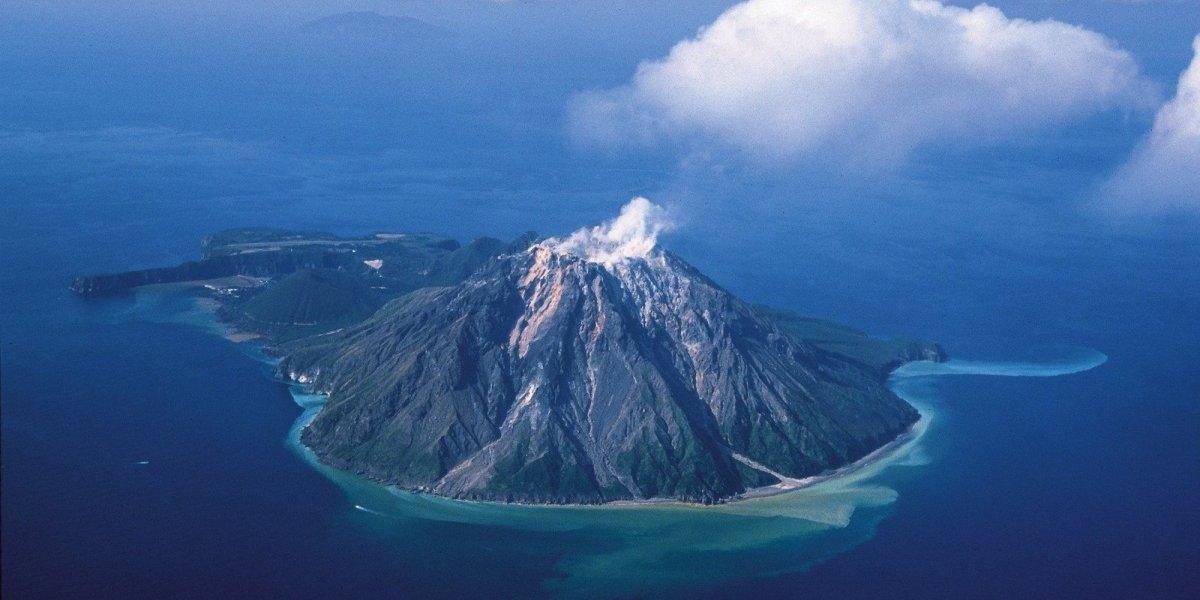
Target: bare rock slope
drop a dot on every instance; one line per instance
(548, 377)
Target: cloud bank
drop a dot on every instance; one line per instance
(633, 234)
(872, 79)
(1164, 173)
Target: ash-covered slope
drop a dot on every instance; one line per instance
(549, 377)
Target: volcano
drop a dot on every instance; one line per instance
(587, 370)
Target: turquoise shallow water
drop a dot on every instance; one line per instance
(145, 455)
(656, 547)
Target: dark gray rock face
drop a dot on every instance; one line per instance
(549, 379)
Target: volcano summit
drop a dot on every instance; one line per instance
(590, 369)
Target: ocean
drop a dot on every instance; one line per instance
(144, 455)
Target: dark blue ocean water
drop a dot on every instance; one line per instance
(1079, 485)
(144, 456)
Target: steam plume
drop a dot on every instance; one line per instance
(633, 234)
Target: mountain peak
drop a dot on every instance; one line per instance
(573, 373)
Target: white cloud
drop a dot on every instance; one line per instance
(633, 234)
(1164, 173)
(871, 79)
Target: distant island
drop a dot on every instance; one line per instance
(535, 371)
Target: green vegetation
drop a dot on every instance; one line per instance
(305, 302)
(881, 355)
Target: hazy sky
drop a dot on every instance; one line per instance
(826, 103)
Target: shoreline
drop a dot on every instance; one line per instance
(311, 408)
(787, 485)
(903, 450)
(878, 455)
